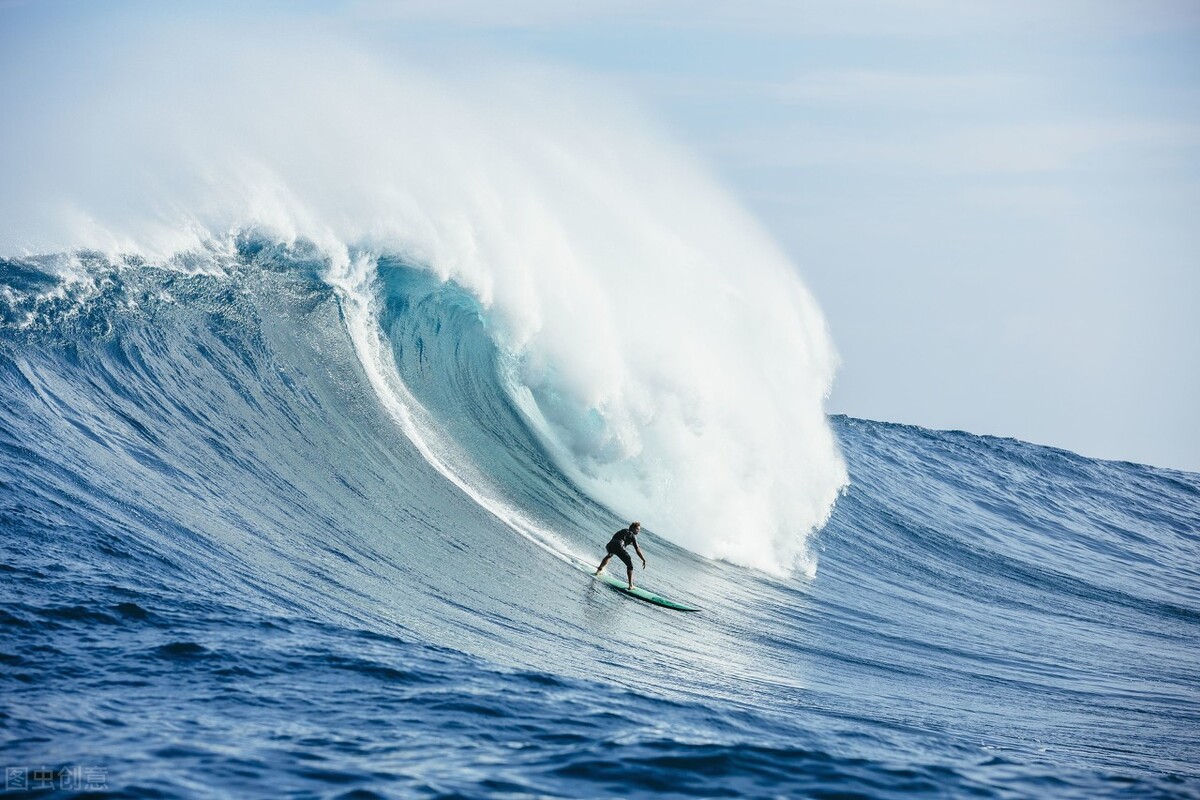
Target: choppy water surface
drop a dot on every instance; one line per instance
(228, 569)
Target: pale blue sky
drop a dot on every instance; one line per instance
(995, 204)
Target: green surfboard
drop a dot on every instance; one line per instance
(637, 591)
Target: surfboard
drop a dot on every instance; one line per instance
(636, 592)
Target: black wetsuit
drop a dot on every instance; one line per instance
(617, 544)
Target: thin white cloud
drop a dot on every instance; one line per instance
(1030, 200)
(515, 14)
(853, 18)
(894, 89)
(851, 87)
(1005, 148)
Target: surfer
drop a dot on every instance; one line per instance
(616, 547)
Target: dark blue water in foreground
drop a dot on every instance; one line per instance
(226, 572)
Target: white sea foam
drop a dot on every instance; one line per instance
(662, 345)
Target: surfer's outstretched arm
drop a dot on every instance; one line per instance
(638, 550)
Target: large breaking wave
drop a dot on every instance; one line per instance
(664, 350)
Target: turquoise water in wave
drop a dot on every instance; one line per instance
(228, 572)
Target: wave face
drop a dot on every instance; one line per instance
(277, 522)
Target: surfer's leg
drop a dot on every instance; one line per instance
(628, 565)
(600, 568)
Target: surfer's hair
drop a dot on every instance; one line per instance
(635, 525)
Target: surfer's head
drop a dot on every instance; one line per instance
(635, 527)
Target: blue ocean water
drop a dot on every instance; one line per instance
(227, 572)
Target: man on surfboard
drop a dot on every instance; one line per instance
(616, 547)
